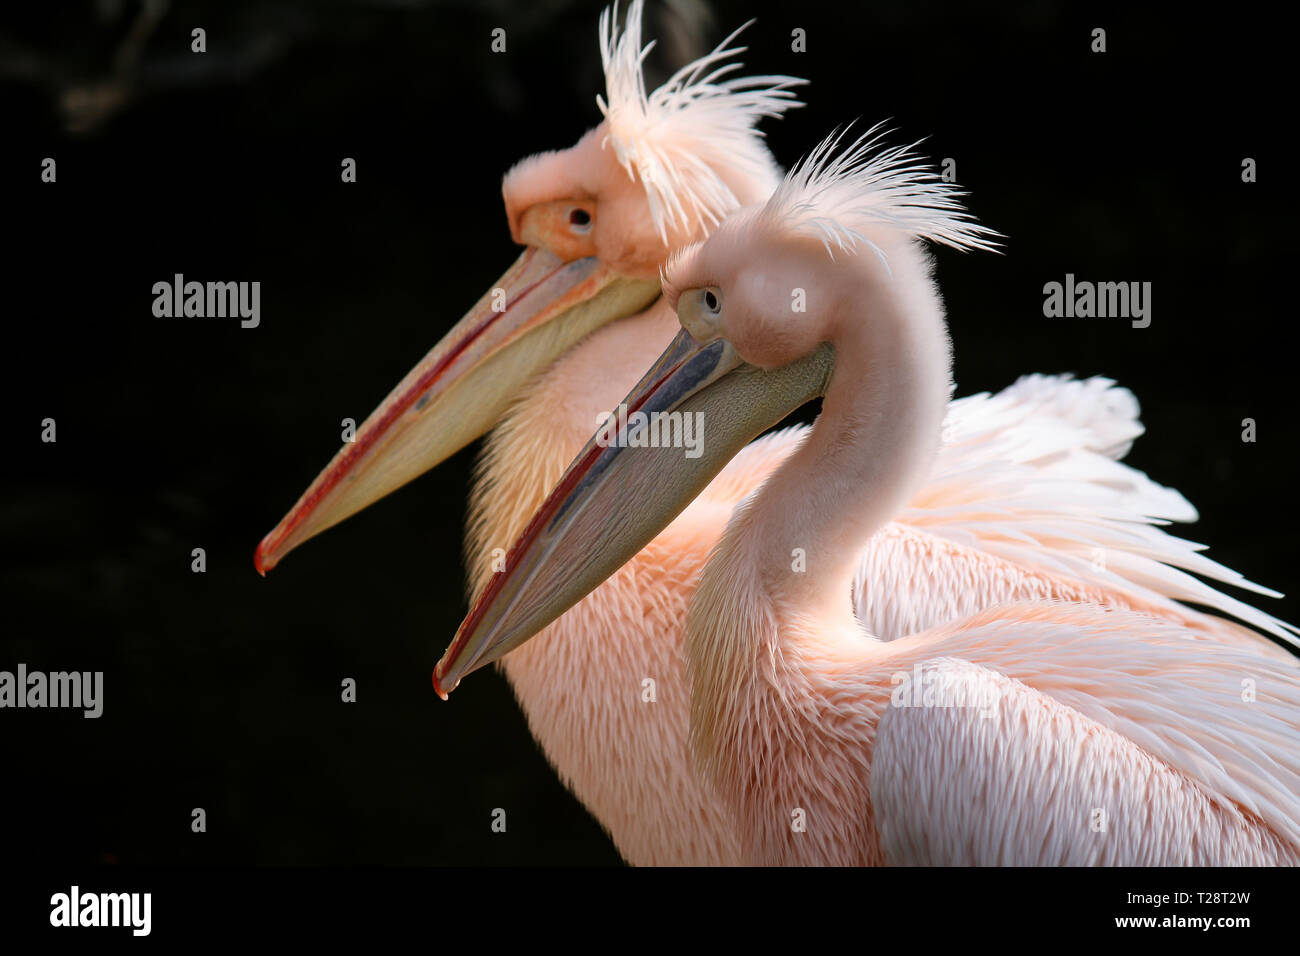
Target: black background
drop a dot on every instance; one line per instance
(222, 689)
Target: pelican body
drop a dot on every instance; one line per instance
(1023, 725)
(566, 332)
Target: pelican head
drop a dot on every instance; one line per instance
(597, 221)
(765, 304)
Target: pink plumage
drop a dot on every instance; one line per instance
(707, 697)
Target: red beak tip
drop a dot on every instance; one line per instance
(438, 687)
(262, 557)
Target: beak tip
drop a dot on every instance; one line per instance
(262, 558)
(438, 687)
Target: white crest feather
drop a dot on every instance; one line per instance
(833, 197)
(674, 139)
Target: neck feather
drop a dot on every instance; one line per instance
(775, 598)
(872, 446)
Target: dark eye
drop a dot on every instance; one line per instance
(579, 219)
(710, 301)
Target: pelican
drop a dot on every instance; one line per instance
(598, 221)
(1031, 728)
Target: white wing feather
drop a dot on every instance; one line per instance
(1031, 475)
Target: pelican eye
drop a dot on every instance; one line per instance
(700, 312)
(579, 220)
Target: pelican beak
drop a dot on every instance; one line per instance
(622, 491)
(535, 312)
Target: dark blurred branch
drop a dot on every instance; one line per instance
(92, 77)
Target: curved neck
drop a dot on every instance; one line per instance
(872, 446)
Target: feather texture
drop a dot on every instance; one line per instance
(836, 196)
(675, 139)
(1030, 475)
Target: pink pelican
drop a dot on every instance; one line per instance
(598, 221)
(948, 704)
